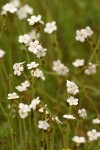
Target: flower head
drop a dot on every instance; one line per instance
(25, 39)
(18, 68)
(78, 139)
(96, 121)
(68, 116)
(82, 113)
(78, 62)
(37, 49)
(13, 95)
(72, 88)
(57, 119)
(93, 135)
(23, 110)
(82, 34)
(35, 19)
(89, 31)
(34, 103)
(43, 124)
(32, 65)
(72, 101)
(24, 11)
(50, 27)
(38, 74)
(8, 7)
(91, 69)
(60, 68)
(43, 109)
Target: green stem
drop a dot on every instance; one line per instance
(94, 51)
(25, 132)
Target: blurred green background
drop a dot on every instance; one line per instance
(69, 15)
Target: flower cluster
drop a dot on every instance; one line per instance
(8, 7)
(50, 27)
(13, 95)
(93, 135)
(82, 34)
(72, 101)
(23, 110)
(32, 65)
(78, 139)
(60, 68)
(43, 124)
(34, 103)
(91, 69)
(38, 74)
(78, 63)
(34, 20)
(96, 121)
(24, 11)
(18, 68)
(82, 113)
(72, 88)
(37, 49)
(25, 39)
(23, 87)
(68, 116)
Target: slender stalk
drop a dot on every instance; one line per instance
(25, 132)
(94, 51)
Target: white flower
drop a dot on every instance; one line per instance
(91, 69)
(93, 135)
(35, 19)
(24, 11)
(60, 68)
(82, 113)
(43, 124)
(68, 116)
(13, 95)
(23, 110)
(18, 68)
(25, 39)
(21, 88)
(72, 101)
(43, 109)
(57, 119)
(34, 46)
(72, 88)
(89, 31)
(34, 103)
(23, 114)
(8, 7)
(32, 65)
(78, 139)
(37, 49)
(41, 52)
(78, 62)
(26, 84)
(81, 35)
(96, 121)
(38, 74)
(50, 27)
(24, 107)
(2, 53)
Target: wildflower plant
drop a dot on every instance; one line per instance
(49, 96)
